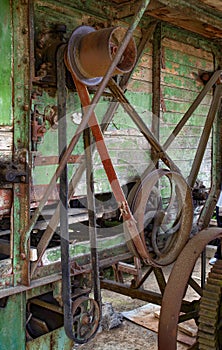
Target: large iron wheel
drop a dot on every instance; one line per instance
(176, 288)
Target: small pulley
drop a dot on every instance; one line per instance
(86, 317)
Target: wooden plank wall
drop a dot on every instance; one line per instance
(129, 150)
(181, 65)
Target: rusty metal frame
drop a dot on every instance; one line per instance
(205, 135)
(128, 218)
(88, 112)
(156, 77)
(75, 179)
(159, 150)
(119, 95)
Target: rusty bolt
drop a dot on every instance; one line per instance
(24, 30)
(23, 178)
(25, 60)
(26, 107)
(85, 319)
(23, 256)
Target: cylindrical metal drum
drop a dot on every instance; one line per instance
(91, 52)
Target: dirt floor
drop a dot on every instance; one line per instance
(129, 335)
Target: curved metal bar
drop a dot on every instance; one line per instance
(176, 286)
(138, 207)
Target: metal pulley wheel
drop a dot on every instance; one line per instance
(164, 222)
(86, 318)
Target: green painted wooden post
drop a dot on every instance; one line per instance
(6, 64)
(56, 340)
(12, 323)
(21, 117)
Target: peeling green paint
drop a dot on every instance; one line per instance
(12, 323)
(56, 340)
(6, 64)
(54, 254)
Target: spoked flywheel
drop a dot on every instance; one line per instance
(164, 220)
(86, 318)
(210, 319)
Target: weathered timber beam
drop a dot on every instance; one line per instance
(141, 294)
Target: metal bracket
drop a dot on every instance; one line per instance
(12, 172)
(46, 46)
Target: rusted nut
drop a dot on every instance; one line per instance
(85, 319)
(25, 107)
(23, 178)
(23, 256)
(24, 30)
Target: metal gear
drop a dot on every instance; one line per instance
(210, 322)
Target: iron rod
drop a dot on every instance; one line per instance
(192, 108)
(156, 73)
(118, 93)
(205, 135)
(209, 206)
(92, 217)
(139, 293)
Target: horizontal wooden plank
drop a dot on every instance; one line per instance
(173, 93)
(5, 201)
(177, 153)
(215, 4)
(6, 140)
(181, 107)
(145, 61)
(6, 128)
(142, 73)
(185, 132)
(189, 49)
(181, 70)
(4, 247)
(197, 63)
(174, 118)
(48, 160)
(137, 85)
(185, 83)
